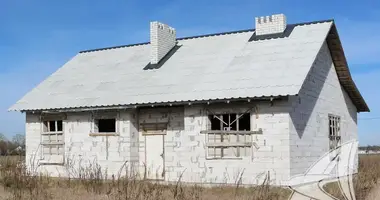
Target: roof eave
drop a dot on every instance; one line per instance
(343, 72)
(157, 104)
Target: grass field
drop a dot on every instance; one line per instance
(16, 183)
(365, 181)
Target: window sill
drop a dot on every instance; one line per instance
(52, 133)
(228, 158)
(45, 162)
(259, 131)
(231, 144)
(50, 163)
(103, 134)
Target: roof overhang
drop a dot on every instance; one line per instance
(270, 99)
(341, 66)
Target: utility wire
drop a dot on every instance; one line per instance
(370, 118)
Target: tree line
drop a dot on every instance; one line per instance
(370, 148)
(15, 146)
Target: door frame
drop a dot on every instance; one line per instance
(163, 173)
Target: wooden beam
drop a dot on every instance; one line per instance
(260, 131)
(233, 144)
(52, 133)
(52, 143)
(103, 134)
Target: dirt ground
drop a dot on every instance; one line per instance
(15, 184)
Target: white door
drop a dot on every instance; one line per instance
(154, 156)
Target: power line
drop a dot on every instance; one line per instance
(370, 118)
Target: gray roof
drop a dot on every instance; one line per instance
(221, 66)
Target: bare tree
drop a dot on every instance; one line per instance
(19, 140)
(2, 137)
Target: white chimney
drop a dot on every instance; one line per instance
(162, 40)
(270, 24)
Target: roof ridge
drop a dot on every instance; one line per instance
(201, 36)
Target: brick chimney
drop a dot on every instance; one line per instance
(162, 40)
(270, 24)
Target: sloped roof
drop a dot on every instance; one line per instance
(220, 66)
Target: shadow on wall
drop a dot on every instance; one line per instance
(304, 104)
(352, 110)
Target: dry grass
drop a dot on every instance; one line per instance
(365, 181)
(18, 183)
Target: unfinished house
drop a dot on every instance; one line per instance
(219, 108)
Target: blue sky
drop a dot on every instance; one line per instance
(37, 37)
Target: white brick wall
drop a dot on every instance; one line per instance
(270, 24)
(185, 151)
(81, 149)
(184, 145)
(162, 40)
(321, 94)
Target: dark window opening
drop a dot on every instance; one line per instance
(226, 122)
(330, 128)
(231, 122)
(215, 122)
(53, 126)
(245, 122)
(223, 142)
(59, 125)
(106, 125)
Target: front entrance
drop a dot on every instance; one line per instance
(153, 125)
(154, 157)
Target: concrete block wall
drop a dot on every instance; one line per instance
(32, 140)
(174, 117)
(185, 146)
(321, 95)
(185, 150)
(110, 153)
(162, 40)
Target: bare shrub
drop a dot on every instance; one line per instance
(366, 179)
(21, 182)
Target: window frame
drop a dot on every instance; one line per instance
(226, 134)
(97, 122)
(334, 135)
(104, 115)
(59, 145)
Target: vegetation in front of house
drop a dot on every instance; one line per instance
(91, 183)
(18, 183)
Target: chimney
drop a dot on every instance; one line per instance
(270, 24)
(162, 40)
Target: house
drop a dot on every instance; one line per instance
(219, 108)
(369, 150)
